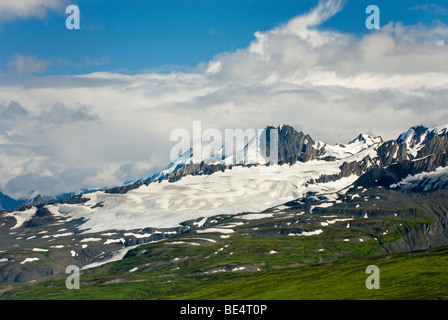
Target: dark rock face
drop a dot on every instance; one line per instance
(294, 146)
(123, 189)
(396, 163)
(42, 217)
(39, 200)
(391, 152)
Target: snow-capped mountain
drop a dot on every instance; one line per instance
(419, 150)
(193, 192)
(292, 146)
(417, 137)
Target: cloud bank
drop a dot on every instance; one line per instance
(62, 133)
(24, 9)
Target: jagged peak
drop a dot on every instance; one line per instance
(367, 138)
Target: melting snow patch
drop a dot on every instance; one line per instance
(307, 233)
(109, 234)
(84, 246)
(238, 269)
(63, 235)
(117, 255)
(256, 216)
(29, 260)
(109, 241)
(325, 205)
(39, 250)
(133, 270)
(200, 223)
(178, 242)
(205, 239)
(272, 252)
(73, 253)
(138, 236)
(3, 260)
(21, 216)
(91, 239)
(216, 230)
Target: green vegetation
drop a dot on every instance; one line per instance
(419, 275)
(267, 259)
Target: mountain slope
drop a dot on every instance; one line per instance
(349, 185)
(7, 203)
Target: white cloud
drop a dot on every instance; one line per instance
(23, 9)
(27, 64)
(115, 127)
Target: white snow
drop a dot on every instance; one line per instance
(204, 239)
(73, 253)
(3, 260)
(118, 255)
(40, 250)
(307, 233)
(200, 223)
(272, 252)
(231, 225)
(109, 241)
(91, 240)
(133, 270)
(216, 230)
(256, 216)
(138, 236)
(21, 216)
(109, 234)
(426, 180)
(63, 235)
(239, 190)
(238, 269)
(333, 221)
(407, 137)
(29, 260)
(341, 151)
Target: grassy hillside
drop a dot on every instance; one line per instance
(418, 275)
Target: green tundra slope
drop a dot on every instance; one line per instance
(302, 250)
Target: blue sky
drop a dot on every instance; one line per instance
(131, 36)
(95, 107)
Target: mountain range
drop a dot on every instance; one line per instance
(352, 200)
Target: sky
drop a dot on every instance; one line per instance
(94, 107)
